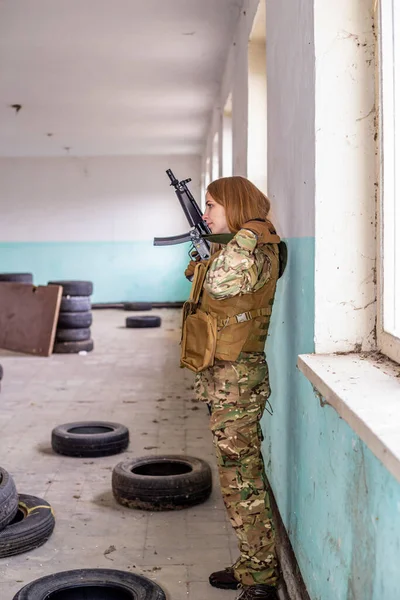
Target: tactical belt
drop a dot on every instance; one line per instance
(244, 316)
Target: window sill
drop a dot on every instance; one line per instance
(365, 392)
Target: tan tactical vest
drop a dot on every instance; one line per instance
(222, 329)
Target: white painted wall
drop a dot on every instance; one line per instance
(291, 121)
(257, 116)
(345, 207)
(92, 199)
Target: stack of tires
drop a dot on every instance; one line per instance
(73, 327)
(26, 522)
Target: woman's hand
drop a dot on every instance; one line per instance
(189, 272)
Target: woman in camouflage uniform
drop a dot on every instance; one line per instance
(240, 282)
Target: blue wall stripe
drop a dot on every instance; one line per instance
(120, 271)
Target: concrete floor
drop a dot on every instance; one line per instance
(132, 377)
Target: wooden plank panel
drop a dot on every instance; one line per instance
(28, 317)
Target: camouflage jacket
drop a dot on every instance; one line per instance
(240, 268)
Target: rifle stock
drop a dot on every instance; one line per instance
(172, 240)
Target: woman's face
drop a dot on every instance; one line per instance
(214, 216)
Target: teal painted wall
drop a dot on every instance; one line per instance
(291, 333)
(340, 505)
(120, 271)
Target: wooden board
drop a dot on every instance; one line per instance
(28, 317)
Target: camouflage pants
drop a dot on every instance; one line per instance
(238, 393)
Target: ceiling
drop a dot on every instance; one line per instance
(110, 77)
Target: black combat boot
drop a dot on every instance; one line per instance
(224, 580)
(258, 592)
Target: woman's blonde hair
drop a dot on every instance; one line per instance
(242, 200)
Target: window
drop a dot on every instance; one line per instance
(257, 101)
(227, 167)
(215, 157)
(388, 330)
(207, 174)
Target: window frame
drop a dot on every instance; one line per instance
(387, 341)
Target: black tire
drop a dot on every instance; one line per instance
(91, 584)
(75, 304)
(17, 277)
(74, 320)
(72, 335)
(1, 372)
(169, 482)
(144, 321)
(32, 526)
(8, 498)
(137, 306)
(74, 288)
(73, 347)
(94, 438)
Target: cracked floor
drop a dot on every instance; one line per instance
(132, 377)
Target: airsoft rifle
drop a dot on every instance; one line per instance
(200, 234)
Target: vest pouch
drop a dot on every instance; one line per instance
(200, 272)
(199, 340)
(188, 308)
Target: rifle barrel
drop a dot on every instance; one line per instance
(172, 178)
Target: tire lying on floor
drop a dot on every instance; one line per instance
(31, 527)
(137, 306)
(89, 438)
(169, 482)
(91, 584)
(143, 321)
(73, 347)
(8, 498)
